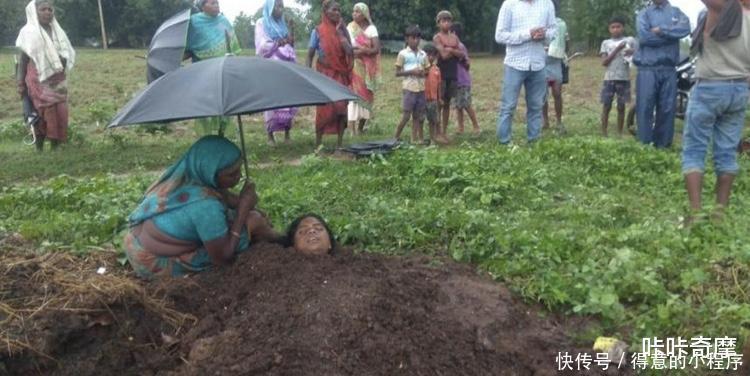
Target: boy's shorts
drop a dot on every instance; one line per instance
(554, 71)
(450, 87)
(612, 88)
(462, 100)
(432, 112)
(414, 102)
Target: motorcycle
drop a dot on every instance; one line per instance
(685, 81)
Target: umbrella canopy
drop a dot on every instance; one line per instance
(227, 86)
(168, 46)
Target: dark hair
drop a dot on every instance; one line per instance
(430, 50)
(458, 29)
(327, 4)
(556, 3)
(413, 31)
(617, 19)
(292, 229)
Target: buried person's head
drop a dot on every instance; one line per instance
(310, 234)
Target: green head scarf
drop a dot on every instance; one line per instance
(365, 10)
(191, 179)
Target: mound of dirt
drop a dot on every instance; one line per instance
(277, 312)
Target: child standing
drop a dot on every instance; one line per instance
(462, 101)
(412, 64)
(615, 52)
(448, 46)
(434, 94)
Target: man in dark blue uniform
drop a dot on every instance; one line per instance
(660, 28)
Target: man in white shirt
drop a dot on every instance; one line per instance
(523, 26)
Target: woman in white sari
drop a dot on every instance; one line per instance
(46, 55)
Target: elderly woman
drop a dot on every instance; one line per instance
(309, 234)
(210, 35)
(366, 72)
(274, 40)
(330, 42)
(188, 220)
(46, 56)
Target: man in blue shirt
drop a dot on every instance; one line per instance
(660, 28)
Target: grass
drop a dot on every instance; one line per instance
(103, 82)
(582, 224)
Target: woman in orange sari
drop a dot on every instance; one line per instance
(330, 42)
(366, 73)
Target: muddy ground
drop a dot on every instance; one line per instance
(276, 312)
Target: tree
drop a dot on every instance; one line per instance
(12, 18)
(244, 27)
(393, 16)
(130, 23)
(587, 19)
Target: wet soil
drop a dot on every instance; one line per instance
(276, 312)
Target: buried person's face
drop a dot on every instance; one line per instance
(311, 237)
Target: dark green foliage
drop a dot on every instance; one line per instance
(588, 19)
(393, 16)
(130, 23)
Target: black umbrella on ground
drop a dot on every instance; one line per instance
(168, 46)
(228, 86)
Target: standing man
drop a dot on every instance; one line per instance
(716, 112)
(524, 26)
(660, 28)
(557, 54)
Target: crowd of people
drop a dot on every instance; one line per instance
(181, 225)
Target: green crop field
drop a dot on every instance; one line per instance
(584, 225)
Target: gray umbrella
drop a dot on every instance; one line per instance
(229, 86)
(168, 46)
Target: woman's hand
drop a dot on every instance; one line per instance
(248, 197)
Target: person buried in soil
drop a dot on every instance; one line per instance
(331, 43)
(309, 234)
(46, 55)
(188, 219)
(274, 40)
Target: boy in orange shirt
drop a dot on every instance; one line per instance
(434, 95)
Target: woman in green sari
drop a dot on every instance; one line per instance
(189, 221)
(210, 35)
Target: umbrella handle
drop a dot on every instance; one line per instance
(244, 153)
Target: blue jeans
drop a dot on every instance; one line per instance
(716, 110)
(656, 90)
(536, 89)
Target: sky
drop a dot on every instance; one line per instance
(232, 8)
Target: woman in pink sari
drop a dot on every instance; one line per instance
(366, 73)
(274, 39)
(46, 56)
